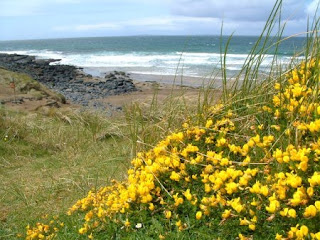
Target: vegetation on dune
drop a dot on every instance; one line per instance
(52, 157)
(246, 168)
(251, 165)
(24, 86)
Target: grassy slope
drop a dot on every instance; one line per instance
(25, 87)
(49, 161)
(51, 157)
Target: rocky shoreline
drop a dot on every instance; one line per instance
(70, 81)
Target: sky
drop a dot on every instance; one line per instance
(42, 19)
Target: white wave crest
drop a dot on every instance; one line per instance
(193, 63)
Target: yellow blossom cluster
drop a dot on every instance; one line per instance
(267, 174)
(44, 231)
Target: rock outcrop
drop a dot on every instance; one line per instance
(72, 82)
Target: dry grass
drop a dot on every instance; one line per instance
(48, 162)
(51, 157)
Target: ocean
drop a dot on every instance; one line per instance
(195, 56)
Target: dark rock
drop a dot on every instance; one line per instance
(68, 80)
(110, 75)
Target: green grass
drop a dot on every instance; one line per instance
(24, 84)
(52, 157)
(48, 163)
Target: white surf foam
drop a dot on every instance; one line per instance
(193, 64)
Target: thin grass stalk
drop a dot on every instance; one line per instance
(253, 59)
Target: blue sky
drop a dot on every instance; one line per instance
(40, 19)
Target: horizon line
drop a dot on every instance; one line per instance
(142, 35)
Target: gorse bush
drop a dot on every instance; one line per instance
(258, 171)
(250, 170)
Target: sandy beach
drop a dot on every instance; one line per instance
(150, 86)
(214, 79)
(147, 91)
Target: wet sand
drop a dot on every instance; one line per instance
(160, 87)
(214, 80)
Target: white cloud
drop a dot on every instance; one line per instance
(180, 25)
(172, 22)
(312, 8)
(240, 10)
(89, 27)
(126, 17)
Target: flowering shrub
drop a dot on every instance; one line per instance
(256, 170)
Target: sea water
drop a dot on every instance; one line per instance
(158, 55)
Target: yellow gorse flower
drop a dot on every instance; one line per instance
(271, 167)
